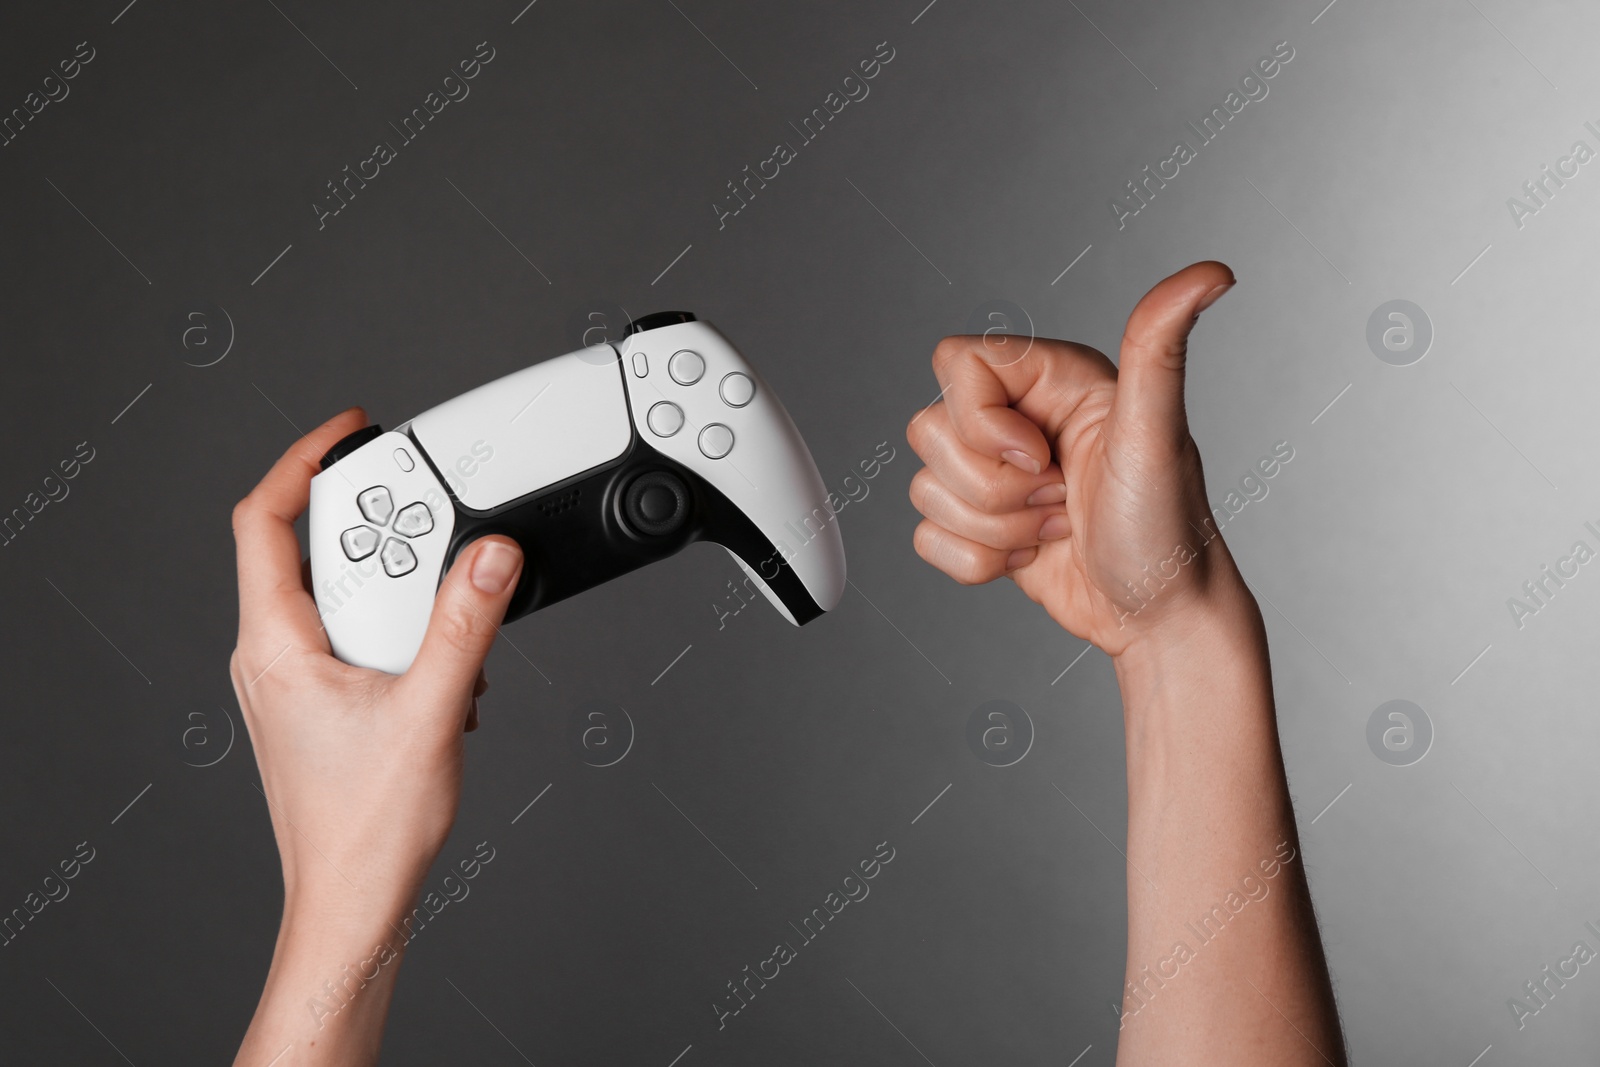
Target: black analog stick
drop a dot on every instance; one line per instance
(656, 503)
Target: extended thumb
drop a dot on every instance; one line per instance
(1155, 347)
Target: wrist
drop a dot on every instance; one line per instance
(1217, 617)
(1199, 717)
(341, 920)
(367, 890)
(1196, 680)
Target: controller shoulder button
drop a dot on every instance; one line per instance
(658, 320)
(716, 441)
(686, 367)
(349, 443)
(665, 418)
(398, 559)
(376, 504)
(737, 390)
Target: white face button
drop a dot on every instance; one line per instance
(403, 459)
(376, 504)
(414, 520)
(359, 542)
(641, 365)
(665, 419)
(398, 558)
(737, 390)
(716, 441)
(686, 367)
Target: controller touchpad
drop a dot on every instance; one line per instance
(528, 430)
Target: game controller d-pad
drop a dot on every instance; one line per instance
(414, 520)
(376, 506)
(597, 462)
(398, 559)
(359, 542)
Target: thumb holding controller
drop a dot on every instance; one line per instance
(467, 612)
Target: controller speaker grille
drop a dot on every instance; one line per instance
(559, 505)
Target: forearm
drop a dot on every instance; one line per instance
(328, 991)
(1225, 964)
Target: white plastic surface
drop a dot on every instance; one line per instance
(769, 474)
(537, 426)
(542, 425)
(374, 620)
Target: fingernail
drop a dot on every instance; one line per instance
(1055, 528)
(1048, 494)
(495, 566)
(1020, 558)
(1021, 460)
(1213, 296)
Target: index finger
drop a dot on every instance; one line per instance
(272, 598)
(1014, 409)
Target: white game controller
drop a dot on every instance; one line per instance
(596, 462)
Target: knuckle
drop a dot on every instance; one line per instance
(966, 570)
(923, 540)
(992, 490)
(243, 512)
(916, 434)
(926, 429)
(948, 554)
(919, 489)
(1169, 351)
(466, 631)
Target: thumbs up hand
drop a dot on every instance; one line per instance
(1076, 479)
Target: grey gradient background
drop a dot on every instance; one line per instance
(186, 158)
